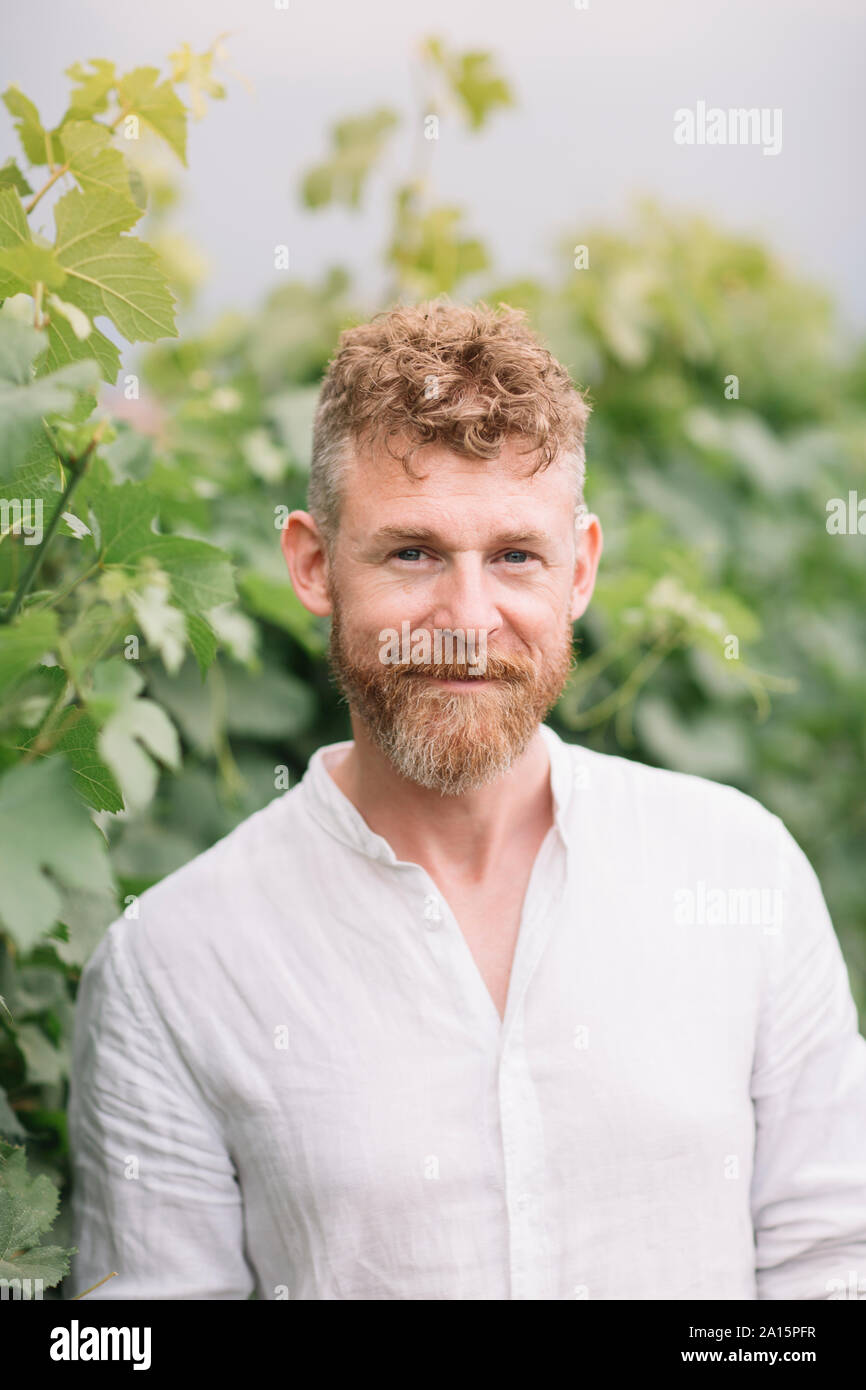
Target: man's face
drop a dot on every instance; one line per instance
(479, 549)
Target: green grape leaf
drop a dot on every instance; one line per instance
(97, 166)
(14, 232)
(48, 1263)
(12, 177)
(474, 82)
(91, 94)
(28, 263)
(35, 1200)
(157, 105)
(39, 146)
(125, 515)
(47, 839)
(161, 622)
(22, 644)
(64, 347)
(317, 186)
(200, 575)
(357, 144)
(95, 782)
(192, 706)
(38, 476)
(28, 1208)
(202, 639)
(479, 87)
(276, 601)
(196, 70)
(110, 274)
(19, 345)
(429, 250)
(133, 729)
(25, 400)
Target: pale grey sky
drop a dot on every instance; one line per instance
(597, 89)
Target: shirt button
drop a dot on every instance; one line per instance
(432, 913)
(522, 1200)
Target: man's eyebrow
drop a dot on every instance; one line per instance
(410, 532)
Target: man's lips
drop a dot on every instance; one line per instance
(464, 683)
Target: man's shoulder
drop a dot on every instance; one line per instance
(629, 789)
(234, 857)
(220, 894)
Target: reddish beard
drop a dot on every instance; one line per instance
(447, 740)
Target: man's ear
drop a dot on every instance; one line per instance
(590, 543)
(307, 560)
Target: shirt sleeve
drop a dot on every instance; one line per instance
(808, 1193)
(155, 1195)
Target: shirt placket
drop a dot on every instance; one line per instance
(521, 1127)
(451, 952)
(520, 1114)
(523, 1153)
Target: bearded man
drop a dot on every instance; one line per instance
(469, 1012)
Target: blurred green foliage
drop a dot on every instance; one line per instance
(714, 514)
(726, 636)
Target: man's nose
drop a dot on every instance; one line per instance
(464, 597)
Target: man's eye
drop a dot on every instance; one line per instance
(521, 555)
(411, 552)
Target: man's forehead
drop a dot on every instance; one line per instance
(437, 472)
(457, 502)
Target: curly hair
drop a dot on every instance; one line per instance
(448, 374)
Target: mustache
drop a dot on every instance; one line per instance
(510, 670)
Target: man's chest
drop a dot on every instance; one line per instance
(374, 1093)
(489, 922)
(364, 1024)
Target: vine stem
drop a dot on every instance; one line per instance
(76, 469)
(96, 1285)
(64, 168)
(614, 702)
(58, 173)
(57, 599)
(43, 743)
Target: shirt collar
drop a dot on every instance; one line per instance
(335, 812)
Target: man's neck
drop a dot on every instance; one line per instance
(454, 837)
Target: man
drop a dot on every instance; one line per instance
(469, 1013)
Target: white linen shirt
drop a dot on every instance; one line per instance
(289, 1076)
